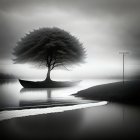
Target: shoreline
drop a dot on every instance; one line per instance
(11, 114)
(113, 92)
(103, 122)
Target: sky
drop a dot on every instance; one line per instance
(105, 27)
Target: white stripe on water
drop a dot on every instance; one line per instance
(5, 115)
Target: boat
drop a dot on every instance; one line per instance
(47, 84)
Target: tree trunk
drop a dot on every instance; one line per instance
(49, 91)
(48, 75)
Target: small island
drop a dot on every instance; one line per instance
(49, 48)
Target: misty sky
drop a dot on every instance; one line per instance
(105, 27)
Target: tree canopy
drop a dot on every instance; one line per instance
(49, 47)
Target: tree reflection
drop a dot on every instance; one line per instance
(42, 98)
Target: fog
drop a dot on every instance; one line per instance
(105, 27)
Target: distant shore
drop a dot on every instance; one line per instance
(4, 76)
(129, 92)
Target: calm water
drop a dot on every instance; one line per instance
(13, 95)
(83, 119)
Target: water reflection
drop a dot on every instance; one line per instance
(104, 122)
(13, 96)
(45, 97)
(95, 122)
(60, 125)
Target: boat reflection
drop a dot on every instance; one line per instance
(46, 97)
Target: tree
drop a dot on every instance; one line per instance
(49, 47)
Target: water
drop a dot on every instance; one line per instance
(14, 96)
(76, 116)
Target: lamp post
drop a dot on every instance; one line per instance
(123, 53)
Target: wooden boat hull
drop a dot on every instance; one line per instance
(44, 84)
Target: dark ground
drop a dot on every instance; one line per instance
(129, 92)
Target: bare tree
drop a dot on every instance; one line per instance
(49, 47)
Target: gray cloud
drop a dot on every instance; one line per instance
(125, 11)
(86, 6)
(6, 38)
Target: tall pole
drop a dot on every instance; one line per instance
(123, 68)
(123, 54)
